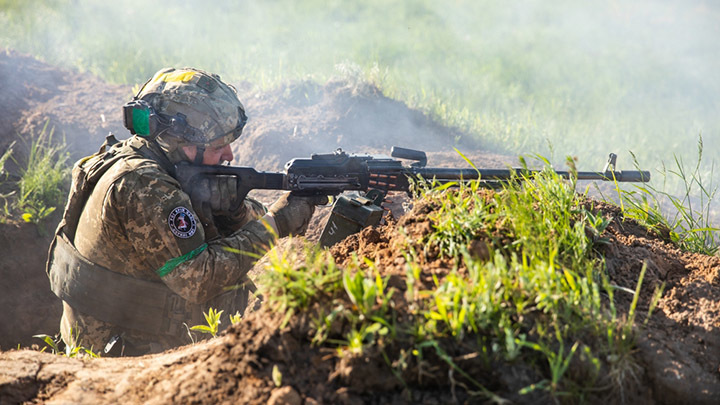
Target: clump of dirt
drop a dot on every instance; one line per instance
(679, 346)
(80, 108)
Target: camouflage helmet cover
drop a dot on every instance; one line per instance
(210, 106)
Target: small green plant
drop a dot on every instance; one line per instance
(51, 342)
(360, 336)
(235, 318)
(369, 295)
(370, 315)
(558, 362)
(453, 305)
(623, 368)
(43, 181)
(276, 376)
(73, 350)
(212, 317)
(3, 159)
(5, 192)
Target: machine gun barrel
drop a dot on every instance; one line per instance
(449, 174)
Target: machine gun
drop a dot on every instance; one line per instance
(335, 173)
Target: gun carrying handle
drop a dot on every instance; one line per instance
(411, 154)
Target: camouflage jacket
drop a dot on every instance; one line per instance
(139, 222)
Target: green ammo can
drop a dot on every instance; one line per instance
(350, 215)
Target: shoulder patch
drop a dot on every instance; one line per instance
(182, 222)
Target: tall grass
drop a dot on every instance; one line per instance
(43, 179)
(688, 218)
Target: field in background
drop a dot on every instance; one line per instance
(554, 77)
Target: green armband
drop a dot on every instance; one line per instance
(170, 265)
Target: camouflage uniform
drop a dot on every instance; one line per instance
(124, 227)
(138, 222)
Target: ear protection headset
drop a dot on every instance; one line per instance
(141, 119)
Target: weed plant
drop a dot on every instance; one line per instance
(212, 319)
(43, 180)
(54, 343)
(299, 278)
(6, 190)
(4, 159)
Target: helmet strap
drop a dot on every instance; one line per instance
(199, 155)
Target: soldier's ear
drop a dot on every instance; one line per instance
(190, 152)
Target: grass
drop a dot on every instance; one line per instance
(3, 159)
(42, 183)
(6, 190)
(538, 297)
(687, 218)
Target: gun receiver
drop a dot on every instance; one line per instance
(334, 173)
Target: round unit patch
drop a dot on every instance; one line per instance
(182, 222)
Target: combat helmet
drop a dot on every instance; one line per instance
(187, 107)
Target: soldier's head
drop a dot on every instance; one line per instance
(193, 115)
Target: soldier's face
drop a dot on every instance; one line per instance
(217, 155)
(213, 155)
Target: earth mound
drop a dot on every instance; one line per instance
(301, 119)
(678, 347)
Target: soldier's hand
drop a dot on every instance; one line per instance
(219, 194)
(215, 196)
(292, 213)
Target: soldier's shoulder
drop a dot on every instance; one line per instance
(141, 171)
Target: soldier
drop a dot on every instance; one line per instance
(137, 258)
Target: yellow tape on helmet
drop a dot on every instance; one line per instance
(170, 77)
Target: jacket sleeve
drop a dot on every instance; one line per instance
(166, 232)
